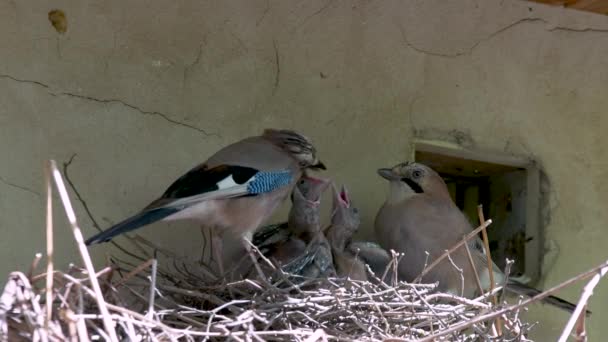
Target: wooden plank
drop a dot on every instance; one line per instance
(461, 167)
(453, 150)
(595, 6)
(534, 247)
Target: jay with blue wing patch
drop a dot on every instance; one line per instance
(235, 191)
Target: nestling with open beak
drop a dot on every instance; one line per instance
(345, 222)
(419, 216)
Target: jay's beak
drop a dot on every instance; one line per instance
(387, 174)
(319, 166)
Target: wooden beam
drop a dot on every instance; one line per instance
(595, 6)
(536, 245)
(454, 150)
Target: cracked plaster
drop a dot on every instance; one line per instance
(361, 78)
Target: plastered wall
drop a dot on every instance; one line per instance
(137, 92)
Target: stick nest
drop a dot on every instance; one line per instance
(188, 303)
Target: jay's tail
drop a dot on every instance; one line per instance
(132, 223)
(528, 291)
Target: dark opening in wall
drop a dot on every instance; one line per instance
(508, 188)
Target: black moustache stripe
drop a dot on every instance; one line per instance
(415, 186)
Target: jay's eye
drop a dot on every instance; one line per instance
(417, 174)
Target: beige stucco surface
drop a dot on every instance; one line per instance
(140, 91)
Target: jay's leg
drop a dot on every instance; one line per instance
(204, 231)
(249, 250)
(218, 251)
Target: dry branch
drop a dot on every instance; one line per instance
(67, 205)
(579, 312)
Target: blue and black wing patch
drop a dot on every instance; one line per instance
(267, 181)
(202, 179)
(222, 182)
(200, 184)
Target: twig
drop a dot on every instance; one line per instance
(460, 272)
(580, 307)
(251, 250)
(444, 255)
(580, 331)
(67, 205)
(475, 273)
(507, 273)
(33, 266)
(486, 243)
(318, 334)
(135, 271)
(152, 288)
(7, 300)
(155, 247)
(49, 246)
(458, 299)
(24, 293)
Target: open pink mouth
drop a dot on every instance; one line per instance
(344, 197)
(314, 179)
(318, 182)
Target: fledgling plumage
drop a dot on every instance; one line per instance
(234, 191)
(287, 241)
(374, 256)
(315, 261)
(304, 217)
(419, 216)
(344, 224)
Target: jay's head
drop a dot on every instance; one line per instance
(299, 146)
(412, 178)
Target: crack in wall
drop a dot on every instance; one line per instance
(263, 16)
(317, 12)
(86, 207)
(576, 30)
(277, 62)
(164, 116)
(24, 81)
(418, 95)
(197, 60)
(144, 112)
(17, 186)
(469, 50)
(84, 204)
